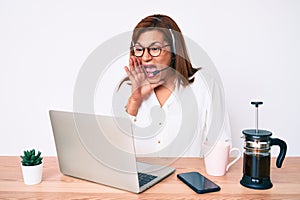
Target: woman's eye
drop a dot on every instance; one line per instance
(138, 49)
(154, 48)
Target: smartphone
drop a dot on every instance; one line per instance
(198, 182)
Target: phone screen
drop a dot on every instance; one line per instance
(198, 182)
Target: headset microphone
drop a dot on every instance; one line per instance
(158, 71)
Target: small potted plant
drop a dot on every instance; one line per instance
(32, 167)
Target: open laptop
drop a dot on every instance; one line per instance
(101, 149)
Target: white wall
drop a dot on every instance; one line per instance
(254, 45)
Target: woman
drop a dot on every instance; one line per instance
(170, 103)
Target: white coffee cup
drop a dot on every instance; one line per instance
(217, 157)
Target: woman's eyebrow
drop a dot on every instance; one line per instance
(153, 43)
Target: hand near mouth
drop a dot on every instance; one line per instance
(141, 87)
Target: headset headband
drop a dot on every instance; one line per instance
(171, 32)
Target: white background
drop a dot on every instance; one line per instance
(254, 45)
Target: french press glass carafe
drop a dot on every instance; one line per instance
(256, 165)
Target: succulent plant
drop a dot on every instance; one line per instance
(30, 159)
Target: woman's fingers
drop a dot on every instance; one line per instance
(133, 65)
(129, 74)
(126, 69)
(136, 68)
(135, 61)
(137, 76)
(130, 64)
(135, 79)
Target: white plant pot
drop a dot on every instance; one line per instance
(32, 174)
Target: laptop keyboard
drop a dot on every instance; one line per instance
(145, 178)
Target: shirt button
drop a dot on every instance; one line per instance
(158, 141)
(160, 123)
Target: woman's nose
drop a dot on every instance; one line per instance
(146, 56)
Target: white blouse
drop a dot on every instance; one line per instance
(191, 116)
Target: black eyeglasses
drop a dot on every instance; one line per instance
(153, 50)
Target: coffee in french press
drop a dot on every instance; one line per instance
(256, 165)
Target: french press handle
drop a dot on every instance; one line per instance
(283, 148)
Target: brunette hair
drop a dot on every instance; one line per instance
(173, 36)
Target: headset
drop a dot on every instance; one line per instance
(158, 18)
(171, 32)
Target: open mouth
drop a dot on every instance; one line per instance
(150, 70)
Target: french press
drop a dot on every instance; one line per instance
(256, 165)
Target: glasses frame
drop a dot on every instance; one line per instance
(148, 49)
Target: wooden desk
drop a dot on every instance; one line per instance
(286, 183)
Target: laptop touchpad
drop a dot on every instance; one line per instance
(141, 167)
